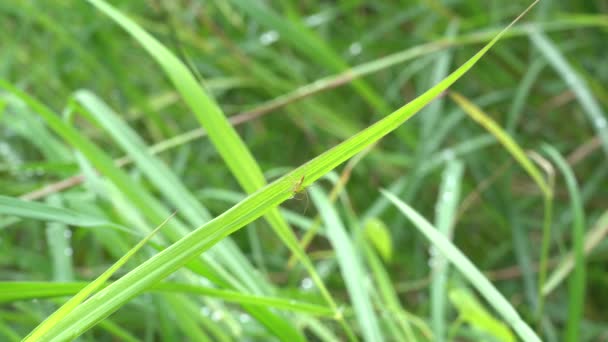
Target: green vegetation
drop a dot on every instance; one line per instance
(303, 170)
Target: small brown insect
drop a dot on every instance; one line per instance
(298, 189)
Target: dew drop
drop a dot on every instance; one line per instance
(269, 37)
(447, 195)
(217, 315)
(68, 251)
(355, 48)
(244, 318)
(204, 282)
(306, 284)
(448, 154)
(315, 19)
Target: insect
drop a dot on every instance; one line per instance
(297, 188)
(299, 192)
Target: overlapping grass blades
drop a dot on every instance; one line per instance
(520, 156)
(171, 259)
(13, 291)
(150, 208)
(89, 289)
(351, 267)
(233, 150)
(576, 288)
(467, 269)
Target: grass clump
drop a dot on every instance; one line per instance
(227, 112)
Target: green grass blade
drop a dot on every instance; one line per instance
(15, 291)
(60, 250)
(8, 333)
(576, 286)
(470, 310)
(522, 93)
(92, 287)
(593, 237)
(467, 269)
(520, 156)
(579, 87)
(351, 267)
(510, 145)
(120, 333)
(388, 295)
(39, 211)
(449, 194)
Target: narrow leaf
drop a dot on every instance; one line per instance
(467, 269)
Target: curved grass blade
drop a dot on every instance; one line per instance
(15, 291)
(174, 257)
(92, 287)
(470, 310)
(467, 269)
(510, 145)
(59, 245)
(39, 211)
(351, 267)
(576, 286)
(520, 156)
(592, 239)
(446, 207)
(579, 87)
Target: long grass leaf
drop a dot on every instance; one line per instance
(579, 87)
(520, 156)
(92, 287)
(15, 291)
(576, 286)
(39, 211)
(60, 250)
(445, 210)
(510, 145)
(467, 269)
(593, 237)
(351, 266)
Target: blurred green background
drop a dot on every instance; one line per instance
(545, 83)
